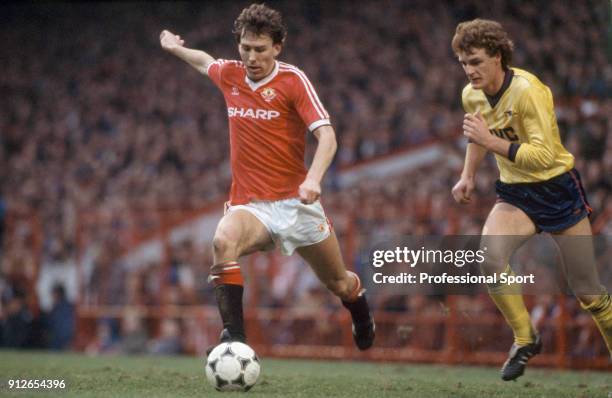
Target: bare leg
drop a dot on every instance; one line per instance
(506, 229)
(326, 261)
(576, 245)
(238, 233)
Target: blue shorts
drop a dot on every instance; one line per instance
(553, 205)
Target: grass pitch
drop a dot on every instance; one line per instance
(184, 377)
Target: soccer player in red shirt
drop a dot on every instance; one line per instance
(274, 200)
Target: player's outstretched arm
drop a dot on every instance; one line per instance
(196, 58)
(310, 190)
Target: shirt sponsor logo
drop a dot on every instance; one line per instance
(263, 114)
(506, 133)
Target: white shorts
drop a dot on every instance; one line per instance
(291, 223)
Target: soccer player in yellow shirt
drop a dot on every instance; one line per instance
(510, 112)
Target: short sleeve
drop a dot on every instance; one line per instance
(307, 103)
(215, 71)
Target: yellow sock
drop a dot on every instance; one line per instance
(601, 311)
(509, 300)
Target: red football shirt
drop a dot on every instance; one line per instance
(268, 120)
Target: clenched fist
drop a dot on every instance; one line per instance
(309, 191)
(169, 41)
(462, 191)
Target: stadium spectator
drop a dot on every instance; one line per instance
(2, 215)
(18, 321)
(169, 340)
(134, 336)
(4, 292)
(104, 340)
(544, 315)
(61, 320)
(182, 271)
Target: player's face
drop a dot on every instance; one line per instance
(482, 70)
(258, 53)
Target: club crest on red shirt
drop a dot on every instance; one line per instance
(268, 94)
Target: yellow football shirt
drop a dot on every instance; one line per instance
(523, 113)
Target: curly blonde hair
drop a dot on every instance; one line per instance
(486, 34)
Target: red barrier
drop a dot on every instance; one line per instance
(284, 334)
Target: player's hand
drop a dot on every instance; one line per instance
(476, 129)
(169, 41)
(309, 191)
(462, 191)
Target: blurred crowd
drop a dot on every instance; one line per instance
(104, 137)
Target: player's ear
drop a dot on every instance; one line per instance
(498, 58)
(277, 49)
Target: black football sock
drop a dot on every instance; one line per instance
(229, 302)
(359, 309)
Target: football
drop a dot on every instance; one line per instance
(232, 366)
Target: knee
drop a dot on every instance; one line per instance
(493, 263)
(224, 247)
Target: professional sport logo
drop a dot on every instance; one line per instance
(268, 94)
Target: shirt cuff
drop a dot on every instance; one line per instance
(315, 125)
(512, 150)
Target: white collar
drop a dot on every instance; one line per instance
(255, 85)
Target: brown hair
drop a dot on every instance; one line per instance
(260, 19)
(486, 34)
